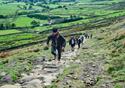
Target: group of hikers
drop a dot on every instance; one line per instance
(58, 43)
(76, 41)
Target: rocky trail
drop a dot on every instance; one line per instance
(44, 72)
(91, 72)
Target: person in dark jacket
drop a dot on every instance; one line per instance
(72, 43)
(58, 44)
(78, 39)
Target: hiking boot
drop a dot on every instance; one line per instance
(54, 58)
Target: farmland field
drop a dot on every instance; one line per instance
(23, 21)
(9, 9)
(25, 25)
(89, 13)
(4, 32)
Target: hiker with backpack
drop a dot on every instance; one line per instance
(86, 35)
(78, 39)
(58, 44)
(72, 43)
(82, 37)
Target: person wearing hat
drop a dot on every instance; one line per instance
(58, 43)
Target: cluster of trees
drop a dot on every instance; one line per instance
(25, 7)
(46, 1)
(63, 20)
(7, 26)
(3, 16)
(61, 6)
(52, 19)
(28, 12)
(62, 0)
(42, 17)
(66, 20)
(35, 23)
(44, 6)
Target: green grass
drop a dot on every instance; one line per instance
(87, 12)
(100, 2)
(9, 41)
(8, 9)
(82, 9)
(118, 86)
(113, 41)
(22, 60)
(61, 77)
(16, 37)
(24, 21)
(4, 32)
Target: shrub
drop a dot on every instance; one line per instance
(119, 35)
(2, 16)
(4, 54)
(117, 64)
(34, 50)
(35, 23)
(42, 17)
(46, 48)
(118, 86)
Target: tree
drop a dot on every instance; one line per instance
(30, 7)
(1, 26)
(2, 16)
(7, 25)
(24, 7)
(35, 23)
(13, 25)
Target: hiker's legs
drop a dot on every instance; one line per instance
(82, 41)
(53, 51)
(59, 53)
(72, 47)
(78, 45)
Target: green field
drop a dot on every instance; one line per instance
(23, 21)
(8, 9)
(102, 18)
(89, 13)
(5, 32)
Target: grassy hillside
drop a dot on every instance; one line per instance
(18, 14)
(100, 63)
(8, 9)
(103, 18)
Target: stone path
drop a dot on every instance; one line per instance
(44, 72)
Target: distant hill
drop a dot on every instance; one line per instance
(45, 0)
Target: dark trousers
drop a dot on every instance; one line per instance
(78, 45)
(56, 51)
(72, 47)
